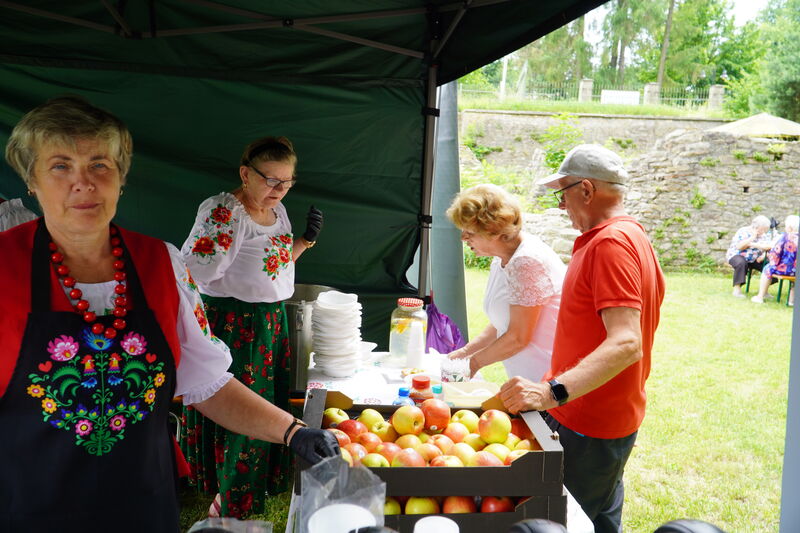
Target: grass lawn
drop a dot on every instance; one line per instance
(711, 446)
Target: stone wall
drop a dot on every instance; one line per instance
(690, 188)
(696, 188)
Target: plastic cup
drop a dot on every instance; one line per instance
(339, 518)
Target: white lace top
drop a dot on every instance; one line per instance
(204, 358)
(13, 213)
(230, 255)
(532, 277)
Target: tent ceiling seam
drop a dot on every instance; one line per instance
(119, 18)
(55, 16)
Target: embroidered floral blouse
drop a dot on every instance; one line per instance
(750, 254)
(230, 255)
(204, 358)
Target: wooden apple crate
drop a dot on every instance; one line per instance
(538, 475)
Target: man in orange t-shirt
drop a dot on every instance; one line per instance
(594, 392)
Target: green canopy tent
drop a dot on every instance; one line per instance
(352, 83)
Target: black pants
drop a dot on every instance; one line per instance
(593, 471)
(740, 268)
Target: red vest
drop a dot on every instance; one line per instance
(149, 255)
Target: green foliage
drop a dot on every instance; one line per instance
(559, 139)
(468, 101)
(518, 138)
(743, 94)
(513, 182)
(777, 150)
(732, 173)
(624, 144)
(780, 74)
(761, 157)
(741, 155)
(474, 261)
(700, 261)
(709, 162)
(477, 79)
(757, 209)
(471, 137)
(698, 200)
(710, 239)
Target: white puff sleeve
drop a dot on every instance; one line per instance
(212, 244)
(204, 358)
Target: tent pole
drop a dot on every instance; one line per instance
(428, 160)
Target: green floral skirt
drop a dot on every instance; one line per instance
(241, 469)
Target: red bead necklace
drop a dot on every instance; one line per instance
(82, 306)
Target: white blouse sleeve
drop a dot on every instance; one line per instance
(212, 244)
(205, 359)
(529, 284)
(13, 213)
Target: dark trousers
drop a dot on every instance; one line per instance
(593, 471)
(740, 267)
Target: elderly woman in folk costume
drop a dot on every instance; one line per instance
(100, 332)
(242, 252)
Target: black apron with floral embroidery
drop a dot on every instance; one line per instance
(84, 436)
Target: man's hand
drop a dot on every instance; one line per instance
(519, 394)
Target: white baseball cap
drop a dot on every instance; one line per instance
(589, 161)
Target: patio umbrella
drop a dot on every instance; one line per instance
(762, 125)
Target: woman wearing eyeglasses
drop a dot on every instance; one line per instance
(241, 253)
(523, 293)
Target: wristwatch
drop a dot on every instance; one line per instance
(307, 243)
(559, 392)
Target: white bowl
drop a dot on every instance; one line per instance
(340, 517)
(339, 372)
(335, 299)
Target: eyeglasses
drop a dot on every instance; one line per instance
(559, 194)
(275, 182)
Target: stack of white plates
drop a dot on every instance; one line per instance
(336, 333)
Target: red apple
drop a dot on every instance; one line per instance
(456, 431)
(392, 506)
(483, 458)
(370, 417)
(475, 440)
(428, 451)
(370, 441)
(408, 441)
(353, 428)
(416, 505)
(520, 428)
(341, 436)
(388, 450)
(375, 460)
(357, 451)
(446, 460)
(512, 441)
(513, 455)
(408, 419)
(408, 457)
(437, 415)
(333, 416)
(385, 431)
(443, 442)
(494, 426)
(491, 504)
(459, 504)
(466, 417)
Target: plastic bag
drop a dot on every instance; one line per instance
(443, 334)
(230, 525)
(332, 481)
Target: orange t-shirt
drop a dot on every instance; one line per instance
(613, 265)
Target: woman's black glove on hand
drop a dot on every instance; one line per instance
(314, 445)
(313, 224)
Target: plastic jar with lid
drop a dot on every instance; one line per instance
(420, 389)
(408, 330)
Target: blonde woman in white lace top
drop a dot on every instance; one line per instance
(524, 288)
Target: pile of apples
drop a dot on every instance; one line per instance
(429, 435)
(450, 504)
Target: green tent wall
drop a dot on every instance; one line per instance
(351, 83)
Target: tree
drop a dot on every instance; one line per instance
(780, 73)
(665, 44)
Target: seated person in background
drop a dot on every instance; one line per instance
(13, 213)
(747, 251)
(782, 259)
(524, 288)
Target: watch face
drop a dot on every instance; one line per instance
(559, 391)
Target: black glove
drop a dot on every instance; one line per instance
(314, 445)
(313, 224)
